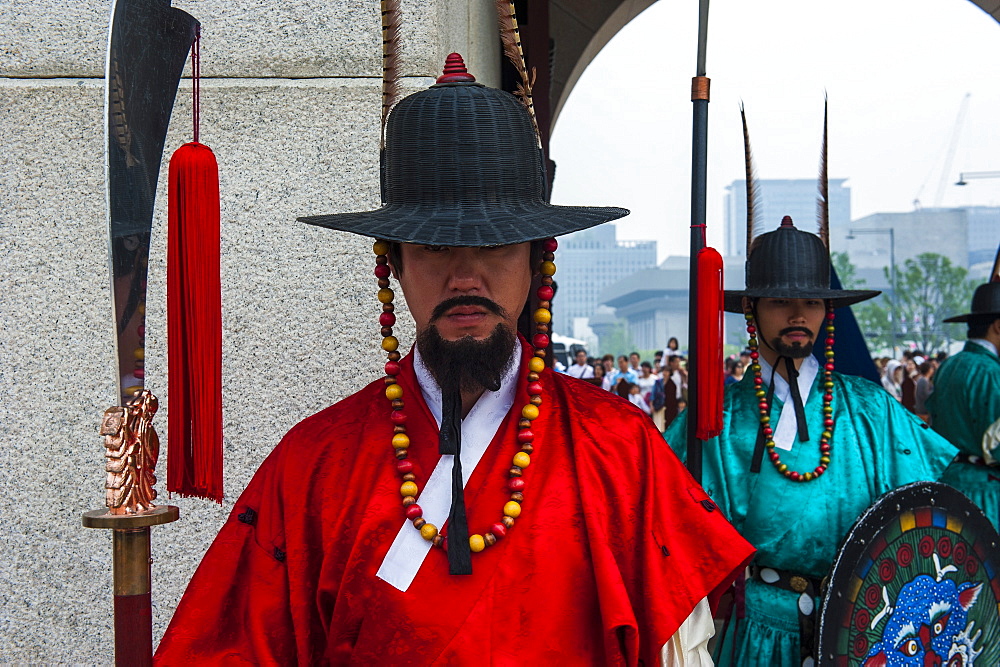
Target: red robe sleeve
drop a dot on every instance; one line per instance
(237, 607)
(659, 544)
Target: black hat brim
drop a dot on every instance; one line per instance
(839, 298)
(971, 316)
(488, 224)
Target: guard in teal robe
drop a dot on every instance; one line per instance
(966, 401)
(797, 527)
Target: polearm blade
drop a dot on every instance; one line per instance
(699, 171)
(148, 45)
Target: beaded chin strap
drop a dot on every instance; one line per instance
(765, 408)
(525, 438)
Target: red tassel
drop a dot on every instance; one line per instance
(194, 325)
(710, 324)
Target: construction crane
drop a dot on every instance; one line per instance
(948, 158)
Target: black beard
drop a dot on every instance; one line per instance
(796, 351)
(467, 364)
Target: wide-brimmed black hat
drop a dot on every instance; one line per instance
(791, 264)
(985, 302)
(462, 167)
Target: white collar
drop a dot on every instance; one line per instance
(479, 427)
(985, 343)
(786, 433)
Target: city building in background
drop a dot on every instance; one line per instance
(778, 198)
(589, 261)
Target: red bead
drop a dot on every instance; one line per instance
(825, 448)
(755, 355)
(774, 456)
(829, 366)
(827, 397)
(794, 476)
(139, 373)
(768, 432)
(414, 512)
(534, 388)
(525, 435)
(828, 423)
(540, 341)
(829, 315)
(758, 381)
(141, 330)
(499, 530)
(382, 271)
(545, 293)
(550, 245)
(829, 341)
(387, 319)
(391, 367)
(751, 330)
(404, 466)
(763, 406)
(819, 470)
(398, 417)
(515, 484)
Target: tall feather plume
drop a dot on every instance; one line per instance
(753, 196)
(823, 201)
(511, 40)
(391, 90)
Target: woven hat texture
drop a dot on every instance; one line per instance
(462, 167)
(791, 264)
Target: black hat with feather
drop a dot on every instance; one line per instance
(789, 263)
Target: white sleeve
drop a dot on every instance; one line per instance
(689, 645)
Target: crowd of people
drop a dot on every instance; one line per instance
(658, 388)
(910, 379)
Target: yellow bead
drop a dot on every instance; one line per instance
(548, 268)
(141, 309)
(543, 316)
(385, 295)
(428, 531)
(529, 412)
(393, 391)
(522, 460)
(400, 441)
(139, 354)
(512, 509)
(782, 468)
(408, 489)
(536, 364)
(390, 344)
(381, 247)
(476, 543)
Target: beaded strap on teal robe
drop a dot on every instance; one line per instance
(877, 446)
(966, 400)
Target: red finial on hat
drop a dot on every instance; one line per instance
(454, 70)
(787, 221)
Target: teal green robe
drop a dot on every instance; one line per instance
(966, 400)
(877, 446)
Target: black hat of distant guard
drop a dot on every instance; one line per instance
(791, 264)
(985, 302)
(462, 167)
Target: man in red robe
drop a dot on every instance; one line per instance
(578, 538)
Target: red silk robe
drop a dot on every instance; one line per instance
(615, 545)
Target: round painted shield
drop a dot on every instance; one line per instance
(916, 582)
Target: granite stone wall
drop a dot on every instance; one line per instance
(290, 105)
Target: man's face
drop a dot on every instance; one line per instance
(633, 360)
(790, 326)
(581, 358)
(437, 281)
(622, 364)
(674, 363)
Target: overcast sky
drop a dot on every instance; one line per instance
(895, 71)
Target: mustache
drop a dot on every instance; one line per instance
(790, 330)
(467, 300)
